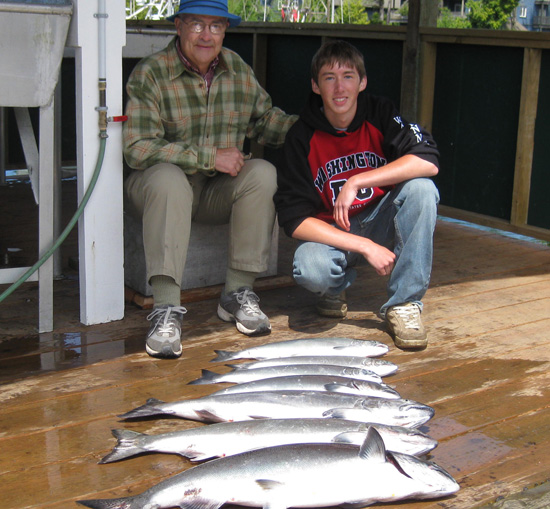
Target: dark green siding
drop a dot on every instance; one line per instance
(476, 111)
(539, 203)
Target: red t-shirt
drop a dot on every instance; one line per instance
(333, 160)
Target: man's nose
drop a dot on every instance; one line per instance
(206, 33)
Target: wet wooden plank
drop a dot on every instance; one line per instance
(485, 373)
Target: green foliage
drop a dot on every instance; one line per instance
(352, 12)
(493, 14)
(248, 10)
(376, 19)
(316, 11)
(447, 20)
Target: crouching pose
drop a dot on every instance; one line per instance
(355, 185)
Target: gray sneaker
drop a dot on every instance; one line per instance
(333, 306)
(164, 336)
(242, 308)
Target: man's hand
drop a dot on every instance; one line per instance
(380, 258)
(312, 229)
(342, 204)
(229, 160)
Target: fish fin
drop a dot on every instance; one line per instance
(237, 366)
(208, 377)
(115, 503)
(336, 387)
(207, 416)
(335, 413)
(355, 505)
(223, 355)
(196, 456)
(201, 503)
(126, 445)
(150, 408)
(268, 484)
(373, 448)
(349, 437)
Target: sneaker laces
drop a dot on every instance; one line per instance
(410, 314)
(248, 301)
(169, 322)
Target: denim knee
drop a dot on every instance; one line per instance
(421, 191)
(320, 268)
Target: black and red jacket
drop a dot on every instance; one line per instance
(318, 159)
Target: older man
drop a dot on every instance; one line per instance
(190, 108)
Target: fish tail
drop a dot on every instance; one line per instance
(127, 445)
(150, 408)
(208, 377)
(223, 355)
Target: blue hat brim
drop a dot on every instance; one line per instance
(233, 19)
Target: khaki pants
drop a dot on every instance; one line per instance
(167, 200)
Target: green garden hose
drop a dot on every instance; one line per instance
(68, 228)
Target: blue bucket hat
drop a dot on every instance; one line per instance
(207, 8)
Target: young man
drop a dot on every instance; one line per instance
(355, 186)
(190, 107)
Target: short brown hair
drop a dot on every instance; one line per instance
(337, 52)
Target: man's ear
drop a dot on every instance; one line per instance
(315, 87)
(363, 84)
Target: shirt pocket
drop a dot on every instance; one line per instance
(225, 128)
(177, 130)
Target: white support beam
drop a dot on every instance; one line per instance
(100, 227)
(46, 179)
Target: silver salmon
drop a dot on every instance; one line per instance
(286, 405)
(247, 375)
(315, 383)
(297, 475)
(381, 367)
(228, 438)
(307, 346)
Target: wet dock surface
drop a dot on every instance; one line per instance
(486, 373)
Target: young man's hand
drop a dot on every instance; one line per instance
(381, 259)
(342, 204)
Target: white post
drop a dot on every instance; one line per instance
(46, 178)
(100, 227)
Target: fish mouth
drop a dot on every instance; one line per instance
(418, 409)
(426, 472)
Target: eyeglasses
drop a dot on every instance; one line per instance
(215, 28)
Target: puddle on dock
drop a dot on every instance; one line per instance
(30, 355)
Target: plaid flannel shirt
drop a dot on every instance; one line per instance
(172, 118)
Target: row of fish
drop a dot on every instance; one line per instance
(300, 429)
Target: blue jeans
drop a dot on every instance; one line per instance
(404, 222)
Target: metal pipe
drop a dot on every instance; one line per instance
(102, 72)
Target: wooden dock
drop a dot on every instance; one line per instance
(486, 373)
